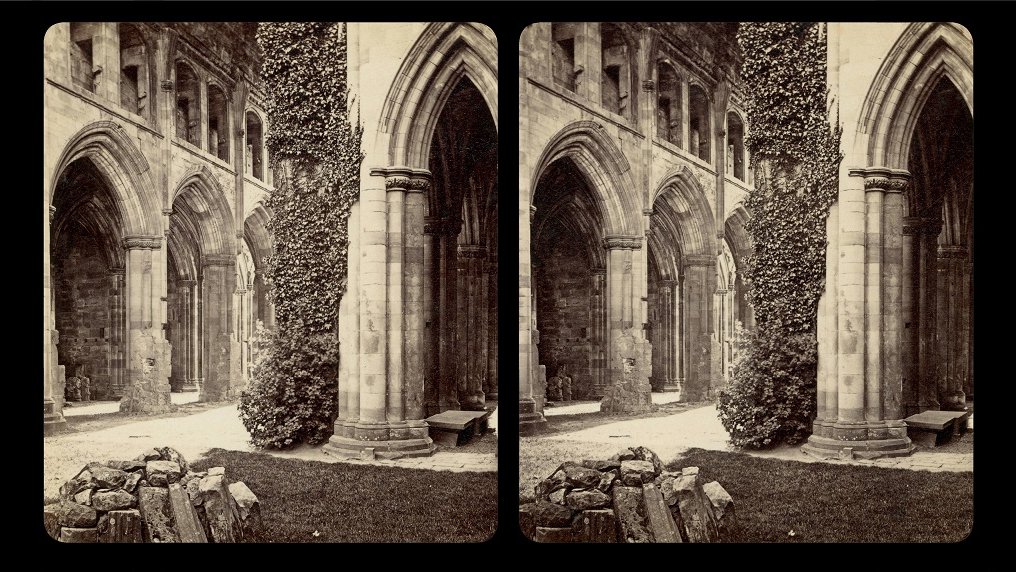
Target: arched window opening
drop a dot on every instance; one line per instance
(218, 123)
(615, 77)
(668, 108)
(698, 105)
(188, 105)
(563, 54)
(735, 146)
(133, 71)
(82, 68)
(255, 140)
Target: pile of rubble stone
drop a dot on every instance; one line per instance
(153, 498)
(628, 498)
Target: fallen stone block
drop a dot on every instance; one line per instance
(658, 514)
(629, 508)
(598, 526)
(188, 526)
(557, 496)
(78, 535)
(216, 471)
(149, 455)
(132, 481)
(624, 455)
(162, 473)
(601, 466)
(220, 509)
(113, 500)
(249, 508)
(635, 473)
(580, 477)
(527, 521)
(723, 510)
(51, 520)
(545, 534)
(646, 454)
(696, 510)
(107, 478)
(121, 526)
(73, 515)
(552, 515)
(172, 455)
(156, 517)
(607, 480)
(587, 499)
(84, 497)
(126, 466)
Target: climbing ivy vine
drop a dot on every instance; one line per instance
(315, 155)
(795, 156)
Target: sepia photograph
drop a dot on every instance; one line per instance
(270, 292)
(746, 282)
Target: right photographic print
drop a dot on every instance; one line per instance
(746, 282)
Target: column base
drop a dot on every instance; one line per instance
(380, 440)
(472, 403)
(864, 439)
(52, 421)
(529, 417)
(672, 386)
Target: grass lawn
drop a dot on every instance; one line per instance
(362, 503)
(838, 503)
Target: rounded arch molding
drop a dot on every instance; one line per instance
(124, 168)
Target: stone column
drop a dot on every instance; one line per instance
(147, 389)
(700, 287)
(867, 341)
(117, 313)
(472, 330)
(181, 336)
(952, 328)
(448, 309)
(349, 334)
(599, 336)
(927, 352)
(666, 324)
(433, 228)
(630, 354)
(221, 349)
(52, 389)
(386, 419)
(673, 338)
(529, 413)
(911, 320)
(827, 326)
(191, 322)
(490, 277)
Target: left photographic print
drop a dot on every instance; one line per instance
(270, 282)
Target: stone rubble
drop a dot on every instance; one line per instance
(628, 498)
(154, 497)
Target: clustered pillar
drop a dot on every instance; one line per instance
(147, 363)
(860, 376)
(701, 344)
(381, 380)
(630, 353)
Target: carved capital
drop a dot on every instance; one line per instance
(882, 179)
(405, 179)
(142, 242)
(52, 213)
(648, 85)
(623, 242)
(166, 85)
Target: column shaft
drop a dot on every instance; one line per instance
(396, 315)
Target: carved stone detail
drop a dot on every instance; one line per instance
(623, 242)
(142, 242)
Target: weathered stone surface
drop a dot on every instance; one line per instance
(220, 510)
(646, 454)
(131, 483)
(113, 500)
(557, 496)
(155, 515)
(149, 455)
(658, 514)
(216, 471)
(545, 534)
(174, 456)
(107, 478)
(78, 535)
(578, 476)
(598, 526)
(607, 480)
(74, 515)
(84, 497)
(629, 368)
(587, 499)
(625, 454)
(723, 510)
(527, 520)
(629, 508)
(601, 466)
(121, 526)
(188, 526)
(665, 482)
(696, 510)
(126, 466)
(550, 514)
(51, 520)
(161, 473)
(249, 508)
(194, 491)
(634, 473)
(690, 471)
(76, 485)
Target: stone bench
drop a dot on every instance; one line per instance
(453, 427)
(931, 428)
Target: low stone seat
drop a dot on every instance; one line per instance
(932, 428)
(453, 427)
